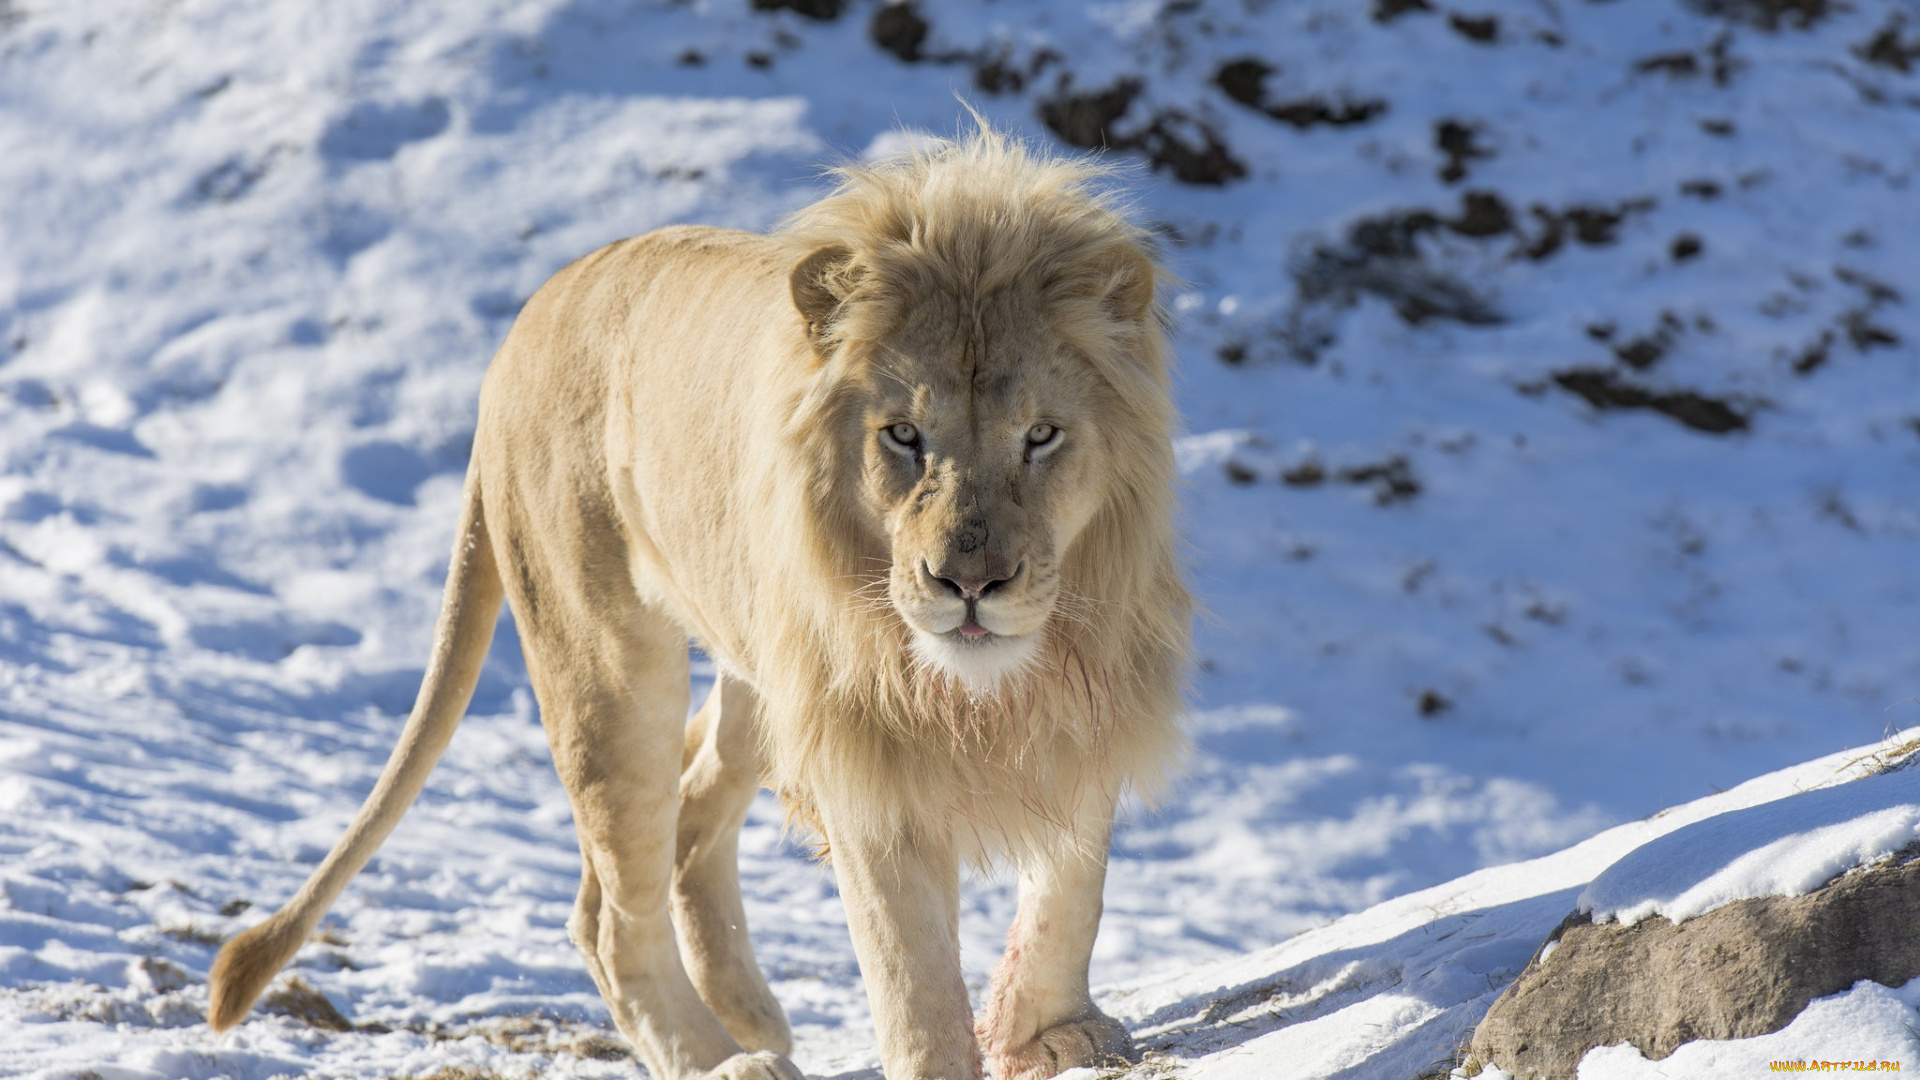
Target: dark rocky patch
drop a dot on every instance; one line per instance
(1460, 143)
(1381, 257)
(1877, 292)
(1433, 703)
(900, 29)
(759, 60)
(1232, 354)
(1087, 120)
(1678, 64)
(1705, 190)
(1642, 352)
(1720, 128)
(1482, 214)
(1740, 971)
(1317, 112)
(996, 73)
(1605, 389)
(1856, 324)
(1484, 29)
(1889, 47)
(1392, 480)
(1721, 63)
(692, 58)
(1685, 246)
(1596, 225)
(1170, 138)
(817, 10)
(1769, 15)
(1385, 11)
(1245, 81)
(1716, 60)
(1592, 225)
(1309, 473)
(1416, 292)
(1814, 356)
(1190, 149)
(1863, 334)
(1551, 237)
(1393, 236)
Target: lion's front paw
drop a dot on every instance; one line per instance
(763, 1065)
(1094, 1040)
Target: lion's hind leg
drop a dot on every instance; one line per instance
(720, 772)
(611, 677)
(615, 730)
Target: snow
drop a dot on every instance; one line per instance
(1466, 629)
(1785, 848)
(1865, 1029)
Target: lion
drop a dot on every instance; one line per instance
(903, 468)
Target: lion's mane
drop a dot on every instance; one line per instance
(852, 719)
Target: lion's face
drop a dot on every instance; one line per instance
(982, 458)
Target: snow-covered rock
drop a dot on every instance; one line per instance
(1726, 929)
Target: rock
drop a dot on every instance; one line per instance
(1741, 970)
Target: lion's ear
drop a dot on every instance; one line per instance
(819, 283)
(1128, 283)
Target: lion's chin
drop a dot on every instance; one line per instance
(982, 664)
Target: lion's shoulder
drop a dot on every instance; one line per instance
(676, 248)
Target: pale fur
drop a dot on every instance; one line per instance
(680, 440)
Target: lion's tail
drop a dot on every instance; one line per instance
(467, 618)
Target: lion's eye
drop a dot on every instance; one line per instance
(1041, 439)
(901, 437)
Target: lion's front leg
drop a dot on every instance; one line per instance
(902, 895)
(1040, 1019)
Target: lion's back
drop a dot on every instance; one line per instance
(636, 378)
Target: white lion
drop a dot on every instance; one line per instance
(904, 470)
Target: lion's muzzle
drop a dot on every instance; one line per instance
(972, 592)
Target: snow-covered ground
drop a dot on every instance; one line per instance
(1553, 402)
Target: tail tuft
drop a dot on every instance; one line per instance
(246, 965)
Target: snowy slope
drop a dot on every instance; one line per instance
(1548, 367)
(1395, 990)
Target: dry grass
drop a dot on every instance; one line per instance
(1893, 758)
(541, 1035)
(299, 1000)
(1153, 1065)
(192, 933)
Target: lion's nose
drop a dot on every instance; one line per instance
(968, 588)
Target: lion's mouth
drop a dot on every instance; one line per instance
(979, 657)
